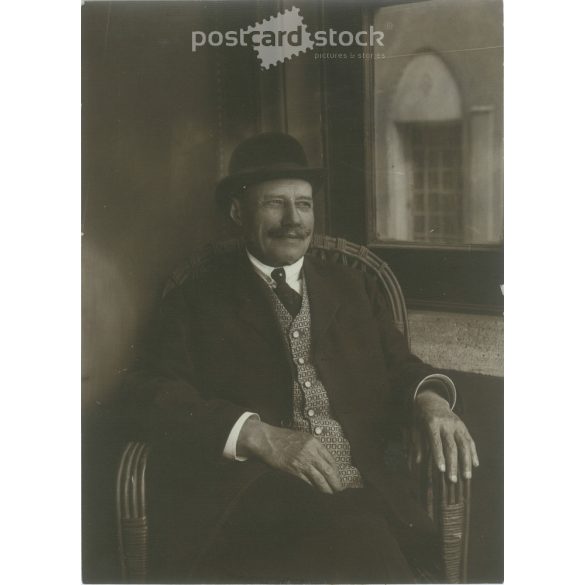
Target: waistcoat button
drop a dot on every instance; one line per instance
(307, 384)
(295, 334)
(318, 430)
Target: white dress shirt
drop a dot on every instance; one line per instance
(295, 280)
(292, 273)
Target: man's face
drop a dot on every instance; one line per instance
(277, 220)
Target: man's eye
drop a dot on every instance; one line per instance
(305, 205)
(273, 203)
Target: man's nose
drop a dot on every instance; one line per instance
(291, 214)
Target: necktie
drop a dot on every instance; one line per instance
(289, 297)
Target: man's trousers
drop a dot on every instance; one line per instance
(283, 530)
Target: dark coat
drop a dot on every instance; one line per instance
(216, 351)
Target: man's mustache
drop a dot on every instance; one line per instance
(300, 233)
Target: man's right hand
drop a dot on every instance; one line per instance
(294, 452)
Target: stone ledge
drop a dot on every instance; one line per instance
(456, 341)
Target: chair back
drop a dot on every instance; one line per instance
(328, 249)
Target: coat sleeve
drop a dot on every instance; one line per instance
(162, 393)
(405, 371)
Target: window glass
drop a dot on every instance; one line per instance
(437, 124)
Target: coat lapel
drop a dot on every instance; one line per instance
(324, 298)
(255, 306)
(252, 297)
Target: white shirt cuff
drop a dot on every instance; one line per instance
(229, 451)
(445, 382)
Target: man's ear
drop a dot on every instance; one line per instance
(236, 211)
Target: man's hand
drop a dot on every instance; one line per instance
(451, 443)
(294, 452)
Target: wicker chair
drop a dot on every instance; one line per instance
(446, 503)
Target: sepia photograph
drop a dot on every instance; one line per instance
(292, 304)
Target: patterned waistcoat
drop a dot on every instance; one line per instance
(311, 408)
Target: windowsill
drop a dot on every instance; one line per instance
(439, 279)
(375, 243)
(466, 343)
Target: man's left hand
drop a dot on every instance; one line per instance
(450, 441)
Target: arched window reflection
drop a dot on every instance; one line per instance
(437, 126)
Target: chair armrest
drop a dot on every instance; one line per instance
(132, 522)
(449, 506)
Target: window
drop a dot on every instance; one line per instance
(436, 119)
(433, 162)
(427, 152)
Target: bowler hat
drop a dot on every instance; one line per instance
(266, 156)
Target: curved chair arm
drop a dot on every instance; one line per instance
(131, 513)
(449, 506)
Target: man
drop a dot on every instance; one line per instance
(269, 389)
